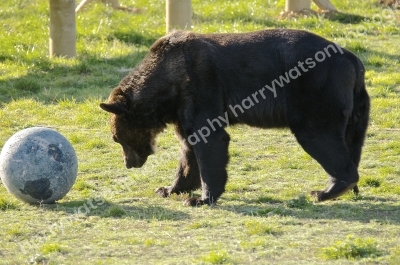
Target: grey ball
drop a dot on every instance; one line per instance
(38, 165)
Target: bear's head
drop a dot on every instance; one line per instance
(147, 99)
(134, 128)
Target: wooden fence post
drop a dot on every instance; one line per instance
(62, 28)
(178, 14)
(296, 5)
(325, 5)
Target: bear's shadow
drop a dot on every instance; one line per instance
(361, 210)
(384, 210)
(122, 209)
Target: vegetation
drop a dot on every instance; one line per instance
(352, 248)
(266, 216)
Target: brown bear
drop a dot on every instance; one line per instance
(202, 83)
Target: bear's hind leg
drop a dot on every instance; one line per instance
(356, 130)
(330, 150)
(354, 143)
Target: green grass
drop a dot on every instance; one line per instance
(352, 249)
(215, 257)
(258, 228)
(48, 248)
(266, 216)
(6, 204)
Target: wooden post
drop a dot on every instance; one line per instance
(114, 3)
(297, 5)
(81, 5)
(62, 28)
(179, 14)
(325, 5)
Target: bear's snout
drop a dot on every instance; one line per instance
(133, 160)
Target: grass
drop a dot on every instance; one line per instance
(6, 204)
(215, 257)
(352, 248)
(112, 216)
(48, 248)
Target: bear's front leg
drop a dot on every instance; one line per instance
(187, 175)
(212, 159)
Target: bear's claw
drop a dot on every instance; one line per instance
(334, 191)
(163, 192)
(194, 202)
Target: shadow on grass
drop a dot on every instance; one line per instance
(106, 209)
(340, 17)
(364, 53)
(361, 210)
(242, 17)
(48, 80)
(92, 76)
(345, 18)
(132, 37)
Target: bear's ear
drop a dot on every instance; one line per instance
(116, 108)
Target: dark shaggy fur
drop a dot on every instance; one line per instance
(203, 83)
